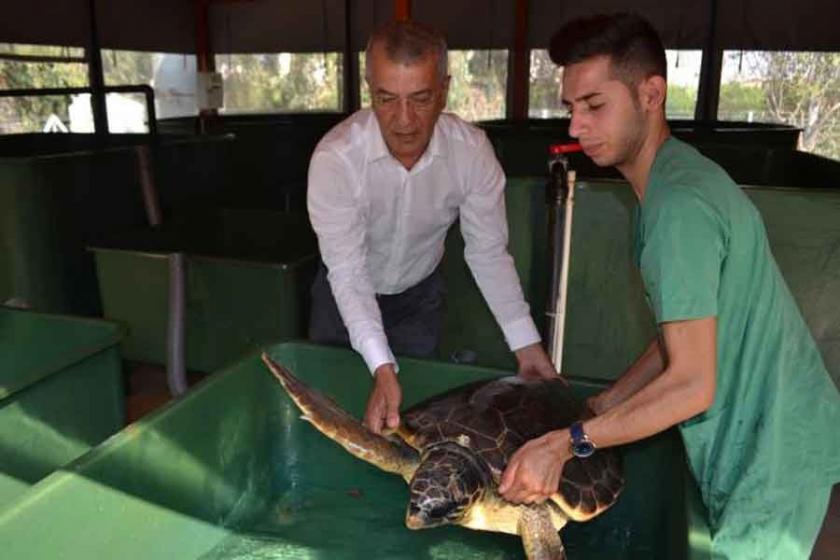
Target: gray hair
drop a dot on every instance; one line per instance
(407, 42)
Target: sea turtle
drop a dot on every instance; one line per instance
(452, 449)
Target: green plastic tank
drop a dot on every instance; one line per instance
(248, 274)
(61, 393)
(230, 471)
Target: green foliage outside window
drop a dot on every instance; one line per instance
(797, 88)
(30, 114)
(282, 82)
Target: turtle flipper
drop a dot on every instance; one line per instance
(539, 536)
(338, 425)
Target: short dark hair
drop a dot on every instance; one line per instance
(630, 41)
(409, 41)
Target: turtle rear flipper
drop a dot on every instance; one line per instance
(338, 425)
(539, 535)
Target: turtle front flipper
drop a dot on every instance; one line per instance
(539, 535)
(338, 425)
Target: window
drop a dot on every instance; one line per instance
(281, 82)
(796, 88)
(545, 88)
(37, 66)
(171, 75)
(683, 79)
(477, 90)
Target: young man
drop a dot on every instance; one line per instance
(384, 187)
(734, 365)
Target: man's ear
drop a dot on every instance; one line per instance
(652, 92)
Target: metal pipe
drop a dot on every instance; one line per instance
(175, 349)
(560, 200)
(145, 170)
(560, 308)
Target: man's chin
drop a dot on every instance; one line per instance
(602, 160)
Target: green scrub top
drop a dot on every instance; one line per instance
(773, 431)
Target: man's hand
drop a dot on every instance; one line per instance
(534, 363)
(533, 473)
(383, 406)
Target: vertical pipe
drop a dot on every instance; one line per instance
(560, 197)
(560, 310)
(95, 75)
(555, 201)
(519, 67)
(351, 63)
(175, 349)
(145, 170)
(402, 10)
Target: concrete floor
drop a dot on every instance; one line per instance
(147, 391)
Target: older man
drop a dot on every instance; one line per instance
(384, 187)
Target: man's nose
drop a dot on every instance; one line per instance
(575, 126)
(406, 114)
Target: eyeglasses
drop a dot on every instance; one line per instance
(420, 101)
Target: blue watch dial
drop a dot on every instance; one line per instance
(583, 449)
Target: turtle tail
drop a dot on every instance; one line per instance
(341, 427)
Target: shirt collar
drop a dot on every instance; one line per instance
(377, 149)
(439, 144)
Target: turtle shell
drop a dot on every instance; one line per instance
(494, 418)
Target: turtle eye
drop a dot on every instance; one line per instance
(443, 510)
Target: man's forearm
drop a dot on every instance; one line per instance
(685, 388)
(672, 397)
(646, 368)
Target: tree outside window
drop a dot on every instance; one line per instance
(796, 88)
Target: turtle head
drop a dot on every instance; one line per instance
(449, 480)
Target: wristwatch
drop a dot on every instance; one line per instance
(581, 445)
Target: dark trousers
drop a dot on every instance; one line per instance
(411, 318)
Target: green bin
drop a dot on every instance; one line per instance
(60, 393)
(247, 283)
(230, 471)
(54, 201)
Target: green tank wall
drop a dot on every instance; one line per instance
(608, 322)
(53, 204)
(61, 393)
(231, 471)
(246, 284)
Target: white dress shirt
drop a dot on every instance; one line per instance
(381, 228)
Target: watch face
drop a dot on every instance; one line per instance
(583, 449)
